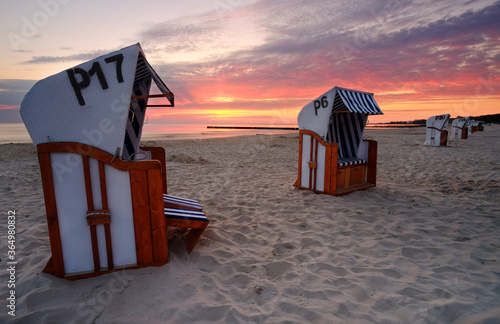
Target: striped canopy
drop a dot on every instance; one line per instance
(144, 73)
(355, 102)
(320, 114)
(90, 103)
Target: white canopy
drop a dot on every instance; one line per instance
(315, 116)
(459, 122)
(439, 122)
(90, 102)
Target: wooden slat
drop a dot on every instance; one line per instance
(340, 178)
(299, 177)
(168, 204)
(363, 186)
(98, 154)
(347, 178)
(311, 152)
(107, 227)
(57, 261)
(102, 184)
(193, 237)
(444, 138)
(465, 133)
(109, 247)
(371, 172)
(158, 153)
(335, 165)
(326, 181)
(95, 274)
(315, 171)
(95, 248)
(88, 182)
(186, 223)
(357, 175)
(142, 223)
(90, 207)
(158, 227)
(328, 159)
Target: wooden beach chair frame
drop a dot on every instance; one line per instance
(196, 225)
(86, 123)
(459, 128)
(333, 156)
(147, 201)
(441, 121)
(148, 185)
(338, 179)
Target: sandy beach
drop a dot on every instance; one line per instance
(421, 247)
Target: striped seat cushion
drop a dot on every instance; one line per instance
(181, 201)
(189, 214)
(350, 161)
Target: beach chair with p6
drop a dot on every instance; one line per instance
(333, 157)
(105, 196)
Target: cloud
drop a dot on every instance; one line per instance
(187, 35)
(311, 45)
(426, 55)
(73, 57)
(297, 49)
(12, 91)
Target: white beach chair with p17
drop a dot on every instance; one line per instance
(436, 134)
(333, 157)
(104, 204)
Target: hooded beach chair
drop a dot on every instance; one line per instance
(459, 128)
(436, 134)
(105, 196)
(480, 126)
(474, 126)
(333, 157)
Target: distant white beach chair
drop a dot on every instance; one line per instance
(459, 128)
(333, 157)
(469, 125)
(476, 125)
(105, 196)
(436, 134)
(480, 126)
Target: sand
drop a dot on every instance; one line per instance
(421, 247)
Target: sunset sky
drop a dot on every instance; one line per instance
(258, 62)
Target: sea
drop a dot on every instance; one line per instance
(17, 133)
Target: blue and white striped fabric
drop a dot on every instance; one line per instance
(357, 102)
(187, 214)
(144, 73)
(346, 129)
(145, 70)
(350, 161)
(181, 201)
(136, 116)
